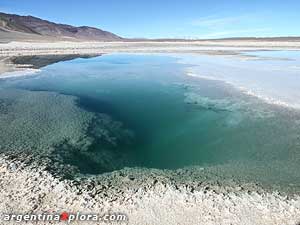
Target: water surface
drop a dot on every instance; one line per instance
(125, 110)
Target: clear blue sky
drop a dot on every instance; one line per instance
(170, 18)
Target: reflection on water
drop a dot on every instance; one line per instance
(101, 114)
(39, 61)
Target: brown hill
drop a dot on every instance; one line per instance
(15, 27)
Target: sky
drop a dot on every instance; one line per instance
(170, 18)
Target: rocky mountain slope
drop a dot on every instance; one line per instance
(15, 27)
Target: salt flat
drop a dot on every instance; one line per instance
(205, 46)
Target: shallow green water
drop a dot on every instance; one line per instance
(161, 118)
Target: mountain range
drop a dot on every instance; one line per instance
(14, 27)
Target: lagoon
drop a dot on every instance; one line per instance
(90, 116)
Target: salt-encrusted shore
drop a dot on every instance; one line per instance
(146, 196)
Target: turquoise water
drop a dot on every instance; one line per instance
(142, 110)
